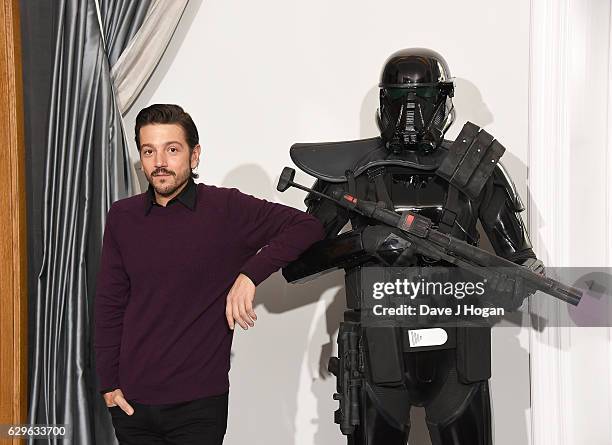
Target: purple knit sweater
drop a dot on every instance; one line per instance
(160, 329)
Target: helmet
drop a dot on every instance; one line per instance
(415, 100)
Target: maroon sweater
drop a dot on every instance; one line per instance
(160, 329)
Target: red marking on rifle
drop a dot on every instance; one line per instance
(409, 219)
(350, 199)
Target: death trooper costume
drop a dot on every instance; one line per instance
(456, 184)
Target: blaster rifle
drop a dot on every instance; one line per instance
(432, 243)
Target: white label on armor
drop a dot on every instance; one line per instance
(427, 337)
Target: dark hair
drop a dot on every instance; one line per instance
(168, 114)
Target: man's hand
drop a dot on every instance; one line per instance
(239, 306)
(115, 398)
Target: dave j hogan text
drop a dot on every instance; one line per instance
(461, 310)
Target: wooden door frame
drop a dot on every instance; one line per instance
(13, 236)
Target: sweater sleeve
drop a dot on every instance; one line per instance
(281, 232)
(112, 294)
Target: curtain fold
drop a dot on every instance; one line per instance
(86, 168)
(121, 21)
(134, 67)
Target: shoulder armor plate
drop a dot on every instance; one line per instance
(329, 161)
(471, 160)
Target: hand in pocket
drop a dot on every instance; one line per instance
(116, 398)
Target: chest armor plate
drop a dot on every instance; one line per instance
(419, 191)
(422, 193)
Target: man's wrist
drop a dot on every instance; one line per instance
(248, 275)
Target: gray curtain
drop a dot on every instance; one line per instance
(84, 164)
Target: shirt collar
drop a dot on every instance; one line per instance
(187, 197)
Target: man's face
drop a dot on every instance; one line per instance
(165, 158)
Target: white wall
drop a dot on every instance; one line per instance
(259, 76)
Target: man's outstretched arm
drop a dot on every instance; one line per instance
(277, 235)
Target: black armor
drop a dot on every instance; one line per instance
(455, 184)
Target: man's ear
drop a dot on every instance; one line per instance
(195, 156)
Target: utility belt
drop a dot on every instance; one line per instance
(385, 348)
(371, 359)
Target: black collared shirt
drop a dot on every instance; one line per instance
(187, 197)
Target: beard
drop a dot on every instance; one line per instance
(167, 185)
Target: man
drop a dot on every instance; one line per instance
(179, 268)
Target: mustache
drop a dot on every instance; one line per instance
(162, 172)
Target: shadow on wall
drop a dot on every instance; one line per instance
(469, 105)
(291, 345)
